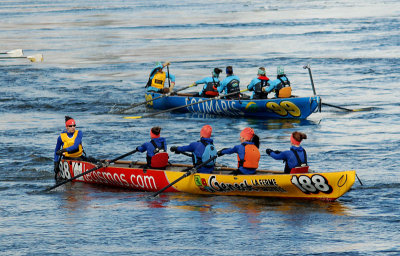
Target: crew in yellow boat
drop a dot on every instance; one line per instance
(281, 85)
(69, 143)
(248, 154)
(158, 78)
(296, 158)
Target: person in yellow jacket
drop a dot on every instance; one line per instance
(158, 77)
(69, 143)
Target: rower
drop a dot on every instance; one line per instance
(281, 85)
(202, 150)
(230, 84)
(157, 77)
(211, 84)
(157, 156)
(296, 158)
(69, 145)
(258, 85)
(248, 154)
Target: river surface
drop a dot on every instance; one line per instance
(97, 57)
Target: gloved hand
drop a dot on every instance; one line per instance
(137, 148)
(174, 149)
(219, 153)
(61, 151)
(268, 151)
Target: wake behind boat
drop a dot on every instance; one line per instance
(287, 108)
(131, 175)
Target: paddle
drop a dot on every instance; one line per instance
(98, 166)
(330, 105)
(14, 53)
(188, 173)
(348, 109)
(162, 96)
(32, 58)
(188, 105)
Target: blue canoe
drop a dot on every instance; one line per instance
(288, 108)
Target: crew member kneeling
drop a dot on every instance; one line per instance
(157, 156)
(248, 154)
(296, 158)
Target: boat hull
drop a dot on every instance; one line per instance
(288, 108)
(323, 186)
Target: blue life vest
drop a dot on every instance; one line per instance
(209, 152)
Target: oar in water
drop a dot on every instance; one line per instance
(162, 96)
(188, 173)
(348, 109)
(330, 105)
(14, 53)
(184, 106)
(32, 58)
(98, 166)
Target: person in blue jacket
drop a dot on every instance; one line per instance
(230, 84)
(281, 85)
(289, 156)
(202, 150)
(69, 144)
(156, 148)
(211, 84)
(247, 152)
(258, 85)
(157, 79)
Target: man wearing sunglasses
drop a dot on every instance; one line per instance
(69, 143)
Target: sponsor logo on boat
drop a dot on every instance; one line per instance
(314, 184)
(142, 182)
(213, 185)
(284, 108)
(226, 107)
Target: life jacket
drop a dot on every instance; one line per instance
(283, 89)
(301, 167)
(211, 88)
(160, 158)
(69, 142)
(209, 152)
(158, 80)
(233, 86)
(258, 92)
(251, 157)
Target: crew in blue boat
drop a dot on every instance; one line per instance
(202, 150)
(295, 157)
(248, 154)
(157, 156)
(157, 78)
(211, 84)
(281, 85)
(258, 85)
(69, 144)
(230, 84)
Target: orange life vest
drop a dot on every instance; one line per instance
(251, 157)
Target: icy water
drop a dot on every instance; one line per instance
(97, 56)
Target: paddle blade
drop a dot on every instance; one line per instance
(15, 53)
(363, 109)
(35, 58)
(132, 117)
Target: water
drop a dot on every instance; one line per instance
(97, 58)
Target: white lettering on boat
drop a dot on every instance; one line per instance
(212, 107)
(144, 182)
